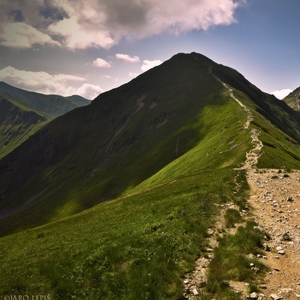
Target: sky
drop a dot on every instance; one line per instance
(83, 47)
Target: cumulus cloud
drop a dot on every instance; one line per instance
(133, 74)
(145, 18)
(79, 37)
(21, 35)
(79, 24)
(127, 57)
(61, 84)
(101, 63)
(148, 64)
(282, 93)
(89, 91)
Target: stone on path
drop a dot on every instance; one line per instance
(253, 295)
(275, 297)
(195, 292)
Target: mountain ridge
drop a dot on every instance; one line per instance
(50, 106)
(95, 153)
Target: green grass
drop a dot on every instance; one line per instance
(231, 262)
(280, 151)
(17, 123)
(293, 99)
(134, 247)
(137, 246)
(232, 217)
(213, 150)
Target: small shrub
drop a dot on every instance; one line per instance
(253, 288)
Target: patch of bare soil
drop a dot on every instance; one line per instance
(196, 280)
(275, 198)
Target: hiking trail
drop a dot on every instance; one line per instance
(275, 202)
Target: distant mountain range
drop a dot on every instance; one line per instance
(50, 106)
(23, 112)
(127, 136)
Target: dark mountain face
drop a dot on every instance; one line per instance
(22, 113)
(139, 119)
(11, 113)
(293, 99)
(95, 153)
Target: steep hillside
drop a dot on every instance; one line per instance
(172, 121)
(293, 99)
(22, 113)
(268, 106)
(50, 106)
(17, 123)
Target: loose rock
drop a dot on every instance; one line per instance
(275, 297)
(253, 295)
(195, 292)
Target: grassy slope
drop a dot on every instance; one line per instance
(140, 245)
(279, 125)
(66, 154)
(293, 99)
(136, 247)
(17, 123)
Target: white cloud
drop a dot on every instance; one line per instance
(148, 64)
(79, 24)
(21, 35)
(282, 93)
(128, 57)
(145, 18)
(133, 74)
(101, 63)
(89, 91)
(79, 37)
(42, 82)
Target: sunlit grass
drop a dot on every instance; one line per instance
(138, 246)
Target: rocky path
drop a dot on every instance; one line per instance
(196, 280)
(275, 199)
(254, 154)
